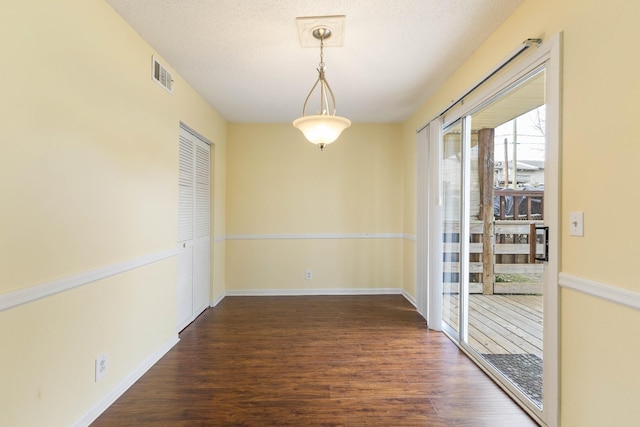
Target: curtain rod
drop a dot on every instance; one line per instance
(524, 46)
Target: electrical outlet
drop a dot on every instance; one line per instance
(308, 275)
(102, 366)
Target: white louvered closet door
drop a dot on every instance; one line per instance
(193, 228)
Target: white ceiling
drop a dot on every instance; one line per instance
(244, 56)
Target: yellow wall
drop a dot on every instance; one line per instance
(89, 179)
(599, 340)
(600, 353)
(280, 184)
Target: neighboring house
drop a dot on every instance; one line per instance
(530, 173)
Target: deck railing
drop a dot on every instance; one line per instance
(513, 272)
(518, 204)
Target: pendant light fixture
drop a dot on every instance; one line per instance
(325, 127)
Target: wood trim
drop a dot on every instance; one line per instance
(486, 169)
(532, 243)
(599, 290)
(94, 412)
(26, 295)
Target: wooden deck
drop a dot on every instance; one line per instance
(502, 324)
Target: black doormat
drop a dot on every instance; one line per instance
(524, 370)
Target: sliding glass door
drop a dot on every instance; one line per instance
(507, 181)
(494, 239)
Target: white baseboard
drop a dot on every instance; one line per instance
(410, 298)
(303, 292)
(610, 293)
(92, 414)
(217, 300)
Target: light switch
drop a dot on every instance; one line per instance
(576, 224)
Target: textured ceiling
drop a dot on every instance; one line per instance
(244, 56)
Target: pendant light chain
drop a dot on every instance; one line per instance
(321, 50)
(324, 102)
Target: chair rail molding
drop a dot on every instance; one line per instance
(32, 293)
(603, 291)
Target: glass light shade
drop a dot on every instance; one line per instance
(321, 128)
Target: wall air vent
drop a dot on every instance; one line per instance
(161, 75)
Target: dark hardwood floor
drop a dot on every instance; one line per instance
(314, 360)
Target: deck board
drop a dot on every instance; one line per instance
(502, 324)
(508, 314)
